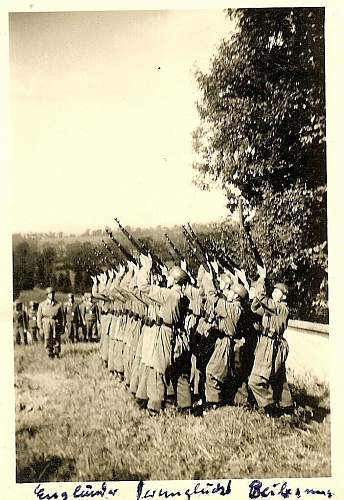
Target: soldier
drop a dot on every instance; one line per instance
(32, 320)
(196, 297)
(221, 366)
(107, 290)
(89, 314)
(50, 322)
(118, 327)
(19, 323)
(144, 360)
(203, 338)
(249, 329)
(171, 357)
(72, 318)
(105, 311)
(82, 327)
(268, 380)
(147, 336)
(134, 338)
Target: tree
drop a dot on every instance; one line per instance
(262, 135)
(45, 267)
(24, 262)
(63, 283)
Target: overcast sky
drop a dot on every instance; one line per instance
(102, 110)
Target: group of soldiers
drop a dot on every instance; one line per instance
(197, 345)
(173, 337)
(49, 321)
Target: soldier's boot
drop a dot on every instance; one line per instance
(141, 403)
(184, 411)
(287, 410)
(270, 410)
(153, 413)
(210, 407)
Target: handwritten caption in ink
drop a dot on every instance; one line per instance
(256, 490)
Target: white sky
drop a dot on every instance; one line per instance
(97, 129)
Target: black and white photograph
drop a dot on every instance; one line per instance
(169, 224)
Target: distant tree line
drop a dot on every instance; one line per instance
(65, 266)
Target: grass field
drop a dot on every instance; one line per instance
(75, 423)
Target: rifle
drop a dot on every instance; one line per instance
(114, 262)
(173, 257)
(192, 247)
(89, 267)
(155, 258)
(178, 254)
(104, 260)
(253, 247)
(245, 228)
(223, 258)
(193, 237)
(173, 246)
(139, 247)
(126, 254)
(218, 254)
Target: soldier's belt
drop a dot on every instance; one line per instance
(148, 321)
(160, 322)
(271, 335)
(190, 311)
(223, 334)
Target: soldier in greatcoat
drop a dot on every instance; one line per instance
(32, 320)
(19, 323)
(50, 322)
(89, 315)
(171, 357)
(268, 380)
(72, 318)
(221, 368)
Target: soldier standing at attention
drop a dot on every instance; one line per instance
(105, 311)
(90, 319)
(19, 323)
(50, 323)
(32, 320)
(82, 327)
(268, 380)
(72, 318)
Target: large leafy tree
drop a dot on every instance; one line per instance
(262, 135)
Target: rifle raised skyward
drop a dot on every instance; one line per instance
(125, 252)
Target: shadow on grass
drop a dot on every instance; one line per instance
(315, 403)
(122, 475)
(27, 432)
(50, 469)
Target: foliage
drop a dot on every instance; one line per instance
(24, 259)
(68, 272)
(262, 135)
(75, 423)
